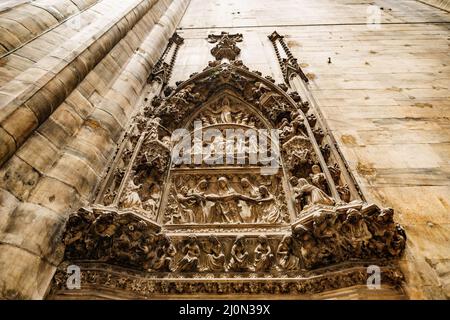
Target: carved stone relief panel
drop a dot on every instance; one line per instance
(225, 198)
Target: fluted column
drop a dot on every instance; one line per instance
(61, 157)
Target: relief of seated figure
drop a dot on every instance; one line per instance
(215, 258)
(191, 251)
(307, 194)
(264, 258)
(240, 259)
(131, 199)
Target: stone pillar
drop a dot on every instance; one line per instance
(54, 169)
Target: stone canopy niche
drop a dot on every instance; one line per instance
(277, 226)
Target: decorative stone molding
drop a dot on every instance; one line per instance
(289, 65)
(321, 237)
(226, 45)
(139, 285)
(162, 70)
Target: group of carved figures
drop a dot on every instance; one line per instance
(307, 194)
(214, 259)
(332, 237)
(252, 205)
(347, 234)
(132, 200)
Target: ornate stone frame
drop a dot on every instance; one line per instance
(126, 249)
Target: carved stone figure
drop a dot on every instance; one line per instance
(77, 227)
(164, 255)
(324, 230)
(129, 246)
(267, 209)
(287, 260)
(240, 260)
(248, 213)
(286, 130)
(388, 238)
(131, 198)
(318, 178)
(294, 127)
(202, 213)
(215, 258)
(308, 246)
(225, 113)
(355, 231)
(344, 193)
(187, 204)
(309, 194)
(191, 252)
(264, 258)
(151, 204)
(226, 207)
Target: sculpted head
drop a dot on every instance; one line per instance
(223, 183)
(287, 239)
(387, 215)
(240, 240)
(263, 191)
(353, 215)
(294, 181)
(202, 185)
(245, 183)
(184, 190)
(262, 239)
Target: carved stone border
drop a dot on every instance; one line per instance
(106, 278)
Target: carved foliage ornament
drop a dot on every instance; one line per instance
(225, 47)
(323, 239)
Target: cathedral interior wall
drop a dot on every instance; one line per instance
(63, 111)
(68, 92)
